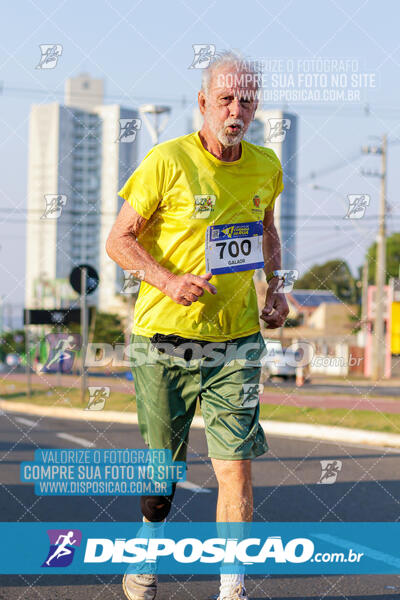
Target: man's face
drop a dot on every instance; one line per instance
(230, 104)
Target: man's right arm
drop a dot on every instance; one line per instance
(123, 247)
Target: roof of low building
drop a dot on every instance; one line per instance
(314, 298)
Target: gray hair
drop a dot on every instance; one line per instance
(230, 57)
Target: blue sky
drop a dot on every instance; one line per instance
(143, 51)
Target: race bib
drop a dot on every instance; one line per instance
(234, 247)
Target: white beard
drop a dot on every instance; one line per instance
(224, 138)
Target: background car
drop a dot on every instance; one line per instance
(279, 362)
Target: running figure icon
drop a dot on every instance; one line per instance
(62, 549)
(61, 351)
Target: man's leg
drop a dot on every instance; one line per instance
(156, 508)
(230, 406)
(235, 491)
(234, 505)
(166, 396)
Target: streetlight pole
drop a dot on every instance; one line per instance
(156, 127)
(84, 331)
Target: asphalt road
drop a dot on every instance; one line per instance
(350, 396)
(285, 489)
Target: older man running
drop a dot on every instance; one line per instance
(197, 221)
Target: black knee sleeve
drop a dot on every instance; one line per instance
(156, 508)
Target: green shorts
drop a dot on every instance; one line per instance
(167, 388)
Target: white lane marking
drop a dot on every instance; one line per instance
(188, 485)
(26, 421)
(76, 440)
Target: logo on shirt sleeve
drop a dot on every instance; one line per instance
(204, 205)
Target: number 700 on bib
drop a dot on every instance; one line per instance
(234, 247)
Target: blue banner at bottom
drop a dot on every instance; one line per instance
(201, 548)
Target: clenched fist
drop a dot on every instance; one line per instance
(188, 288)
(276, 308)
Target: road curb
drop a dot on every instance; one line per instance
(331, 433)
(75, 414)
(282, 428)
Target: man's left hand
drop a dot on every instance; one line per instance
(276, 308)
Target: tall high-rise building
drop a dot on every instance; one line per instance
(76, 167)
(277, 129)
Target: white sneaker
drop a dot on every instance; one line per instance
(140, 586)
(239, 593)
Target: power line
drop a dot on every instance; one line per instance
(326, 170)
(363, 110)
(21, 91)
(317, 255)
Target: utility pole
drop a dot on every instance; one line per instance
(379, 346)
(378, 338)
(1, 314)
(364, 299)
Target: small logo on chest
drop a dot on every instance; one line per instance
(256, 204)
(204, 205)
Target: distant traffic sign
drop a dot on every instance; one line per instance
(92, 279)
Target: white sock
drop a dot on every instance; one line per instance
(152, 529)
(154, 523)
(229, 583)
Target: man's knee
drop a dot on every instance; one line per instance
(229, 472)
(156, 508)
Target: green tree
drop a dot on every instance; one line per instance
(392, 258)
(108, 329)
(334, 275)
(12, 342)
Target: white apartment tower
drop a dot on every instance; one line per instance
(277, 129)
(75, 152)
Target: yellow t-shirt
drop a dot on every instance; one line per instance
(182, 189)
